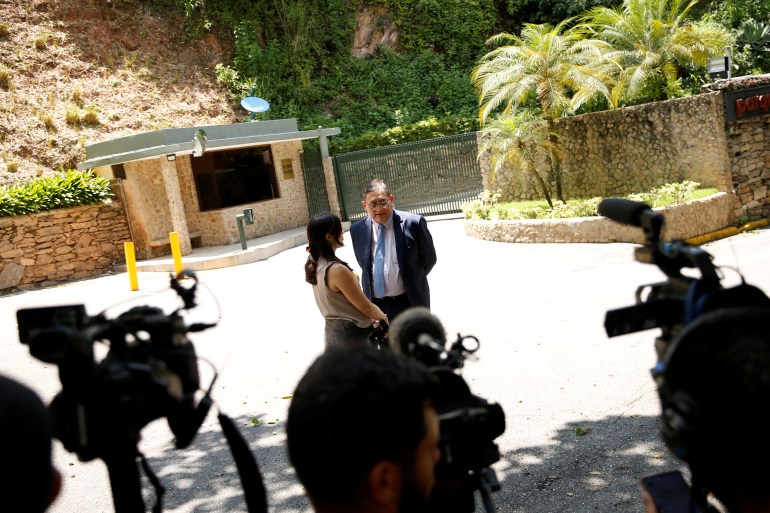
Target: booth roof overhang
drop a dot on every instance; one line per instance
(181, 141)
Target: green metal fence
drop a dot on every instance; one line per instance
(315, 183)
(428, 177)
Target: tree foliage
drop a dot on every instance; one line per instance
(297, 55)
(554, 69)
(516, 142)
(653, 42)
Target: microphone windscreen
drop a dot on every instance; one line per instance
(406, 329)
(623, 210)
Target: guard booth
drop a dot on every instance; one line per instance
(196, 180)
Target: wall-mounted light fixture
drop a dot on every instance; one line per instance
(171, 156)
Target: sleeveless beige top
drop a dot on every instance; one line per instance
(334, 305)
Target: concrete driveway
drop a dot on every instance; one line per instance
(537, 309)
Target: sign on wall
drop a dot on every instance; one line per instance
(747, 103)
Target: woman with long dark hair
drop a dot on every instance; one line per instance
(350, 316)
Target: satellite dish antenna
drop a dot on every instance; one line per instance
(254, 104)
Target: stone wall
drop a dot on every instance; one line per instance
(60, 245)
(683, 221)
(748, 149)
(635, 149)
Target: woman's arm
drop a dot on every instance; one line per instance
(341, 279)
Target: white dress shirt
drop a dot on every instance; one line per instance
(394, 284)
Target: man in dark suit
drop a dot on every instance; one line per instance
(395, 269)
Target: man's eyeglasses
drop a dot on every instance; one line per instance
(378, 205)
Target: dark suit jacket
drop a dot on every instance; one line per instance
(414, 249)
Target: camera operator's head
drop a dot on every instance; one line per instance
(714, 385)
(27, 476)
(362, 431)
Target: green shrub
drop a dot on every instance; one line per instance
(644, 197)
(427, 129)
(482, 207)
(674, 192)
(61, 190)
(583, 208)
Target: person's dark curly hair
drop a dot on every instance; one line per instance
(352, 409)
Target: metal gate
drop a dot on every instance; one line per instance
(315, 183)
(430, 177)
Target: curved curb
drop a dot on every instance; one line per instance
(709, 215)
(727, 232)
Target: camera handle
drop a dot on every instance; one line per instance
(126, 487)
(124, 479)
(487, 483)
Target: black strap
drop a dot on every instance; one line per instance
(251, 479)
(159, 488)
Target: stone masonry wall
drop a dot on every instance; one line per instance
(635, 149)
(49, 247)
(748, 148)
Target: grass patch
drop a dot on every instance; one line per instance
(524, 205)
(72, 115)
(486, 206)
(41, 41)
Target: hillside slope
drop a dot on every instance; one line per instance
(76, 72)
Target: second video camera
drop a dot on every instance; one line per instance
(469, 424)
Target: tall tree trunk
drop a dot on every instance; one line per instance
(554, 158)
(542, 184)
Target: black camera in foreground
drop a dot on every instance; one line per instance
(150, 371)
(469, 424)
(672, 304)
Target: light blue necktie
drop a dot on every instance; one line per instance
(379, 263)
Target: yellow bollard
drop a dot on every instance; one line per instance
(128, 249)
(176, 251)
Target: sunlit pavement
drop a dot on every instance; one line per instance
(537, 309)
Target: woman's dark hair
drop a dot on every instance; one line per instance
(317, 245)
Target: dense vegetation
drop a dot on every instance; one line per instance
(425, 74)
(297, 55)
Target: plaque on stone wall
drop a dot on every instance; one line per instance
(288, 169)
(745, 103)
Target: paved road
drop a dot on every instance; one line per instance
(538, 310)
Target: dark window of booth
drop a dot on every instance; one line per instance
(234, 177)
(119, 171)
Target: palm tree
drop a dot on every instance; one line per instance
(549, 67)
(652, 42)
(517, 140)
